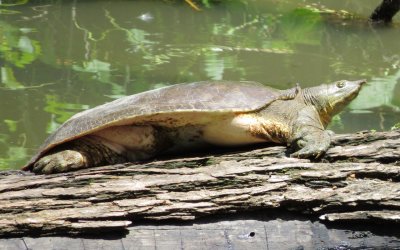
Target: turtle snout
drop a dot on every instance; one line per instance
(361, 82)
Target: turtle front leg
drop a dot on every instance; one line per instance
(311, 144)
(309, 136)
(83, 153)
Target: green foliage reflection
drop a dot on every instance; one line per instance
(302, 26)
(13, 155)
(8, 79)
(97, 67)
(8, 3)
(368, 99)
(60, 111)
(16, 47)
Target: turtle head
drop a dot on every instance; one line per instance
(330, 99)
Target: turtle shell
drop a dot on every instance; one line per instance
(207, 98)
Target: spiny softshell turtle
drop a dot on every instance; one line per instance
(181, 116)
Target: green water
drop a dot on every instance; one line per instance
(61, 57)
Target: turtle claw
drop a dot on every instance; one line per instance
(62, 161)
(305, 153)
(314, 151)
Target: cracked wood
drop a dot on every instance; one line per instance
(356, 180)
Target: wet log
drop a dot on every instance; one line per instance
(357, 180)
(385, 12)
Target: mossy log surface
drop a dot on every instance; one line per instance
(357, 180)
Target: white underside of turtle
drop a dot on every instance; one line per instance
(225, 131)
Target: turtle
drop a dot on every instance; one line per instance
(195, 115)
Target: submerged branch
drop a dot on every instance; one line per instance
(193, 5)
(385, 11)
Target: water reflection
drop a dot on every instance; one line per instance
(59, 58)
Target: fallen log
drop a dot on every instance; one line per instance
(357, 180)
(235, 231)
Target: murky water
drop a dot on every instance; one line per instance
(60, 57)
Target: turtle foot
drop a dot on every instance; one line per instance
(308, 153)
(312, 145)
(62, 161)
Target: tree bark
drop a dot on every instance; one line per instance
(385, 11)
(358, 179)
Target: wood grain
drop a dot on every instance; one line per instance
(357, 180)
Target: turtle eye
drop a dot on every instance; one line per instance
(340, 84)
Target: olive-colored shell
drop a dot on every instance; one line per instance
(206, 97)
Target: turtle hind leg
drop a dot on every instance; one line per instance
(82, 153)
